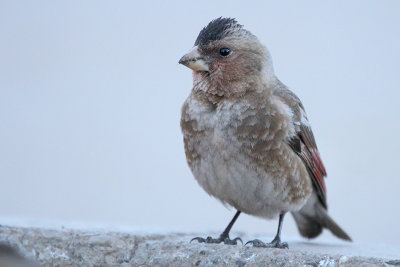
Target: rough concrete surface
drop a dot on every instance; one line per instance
(50, 247)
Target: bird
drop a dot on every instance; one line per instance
(247, 137)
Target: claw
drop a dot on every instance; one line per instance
(210, 240)
(256, 243)
(199, 239)
(237, 239)
(274, 244)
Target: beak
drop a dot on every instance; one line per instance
(194, 60)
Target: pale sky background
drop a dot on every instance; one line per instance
(90, 99)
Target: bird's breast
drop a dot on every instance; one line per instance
(221, 164)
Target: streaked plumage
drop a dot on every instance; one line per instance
(247, 138)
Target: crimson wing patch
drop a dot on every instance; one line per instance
(304, 145)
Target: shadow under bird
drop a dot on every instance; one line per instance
(247, 138)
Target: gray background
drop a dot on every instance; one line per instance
(90, 98)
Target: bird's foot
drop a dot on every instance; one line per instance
(222, 239)
(276, 243)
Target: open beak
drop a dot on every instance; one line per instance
(194, 60)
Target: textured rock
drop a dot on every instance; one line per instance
(78, 248)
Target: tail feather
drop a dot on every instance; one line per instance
(313, 217)
(308, 227)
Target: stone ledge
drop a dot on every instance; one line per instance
(83, 248)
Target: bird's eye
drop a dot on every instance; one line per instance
(225, 51)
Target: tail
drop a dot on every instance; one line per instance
(313, 217)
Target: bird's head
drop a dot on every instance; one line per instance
(226, 58)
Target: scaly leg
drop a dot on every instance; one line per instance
(224, 237)
(276, 243)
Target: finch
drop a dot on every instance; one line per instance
(247, 138)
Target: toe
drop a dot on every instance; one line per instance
(229, 241)
(199, 239)
(209, 239)
(256, 243)
(278, 245)
(284, 245)
(238, 239)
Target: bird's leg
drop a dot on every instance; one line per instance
(224, 237)
(276, 242)
(225, 234)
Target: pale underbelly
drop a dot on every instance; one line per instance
(235, 179)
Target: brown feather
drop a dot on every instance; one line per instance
(304, 143)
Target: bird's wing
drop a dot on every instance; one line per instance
(303, 143)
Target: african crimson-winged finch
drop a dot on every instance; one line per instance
(247, 138)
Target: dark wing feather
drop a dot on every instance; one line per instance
(309, 153)
(303, 143)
